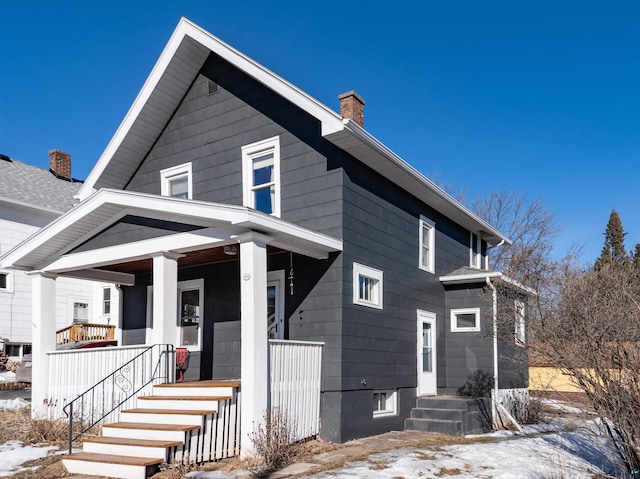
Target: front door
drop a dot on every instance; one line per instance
(427, 375)
(275, 304)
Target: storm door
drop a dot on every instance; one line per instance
(427, 372)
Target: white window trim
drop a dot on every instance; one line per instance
(431, 262)
(187, 286)
(168, 173)
(475, 259)
(362, 270)
(9, 274)
(391, 404)
(103, 301)
(455, 312)
(248, 153)
(520, 333)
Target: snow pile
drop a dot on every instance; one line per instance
(14, 453)
(13, 404)
(7, 377)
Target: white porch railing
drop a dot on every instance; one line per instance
(295, 379)
(73, 372)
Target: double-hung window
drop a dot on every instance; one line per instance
(177, 181)
(475, 250)
(427, 244)
(106, 300)
(367, 286)
(261, 175)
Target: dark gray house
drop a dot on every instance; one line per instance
(233, 198)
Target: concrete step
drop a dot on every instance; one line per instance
(166, 416)
(445, 414)
(197, 388)
(447, 402)
(122, 467)
(181, 403)
(453, 428)
(136, 430)
(118, 446)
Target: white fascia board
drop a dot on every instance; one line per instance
(330, 120)
(178, 243)
(470, 278)
(519, 285)
(104, 276)
(257, 220)
(31, 206)
(365, 137)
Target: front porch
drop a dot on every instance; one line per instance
(186, 268)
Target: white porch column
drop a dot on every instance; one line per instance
(253, 338)
(43, 312)
(165, 298)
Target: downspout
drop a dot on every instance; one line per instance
(494, 318)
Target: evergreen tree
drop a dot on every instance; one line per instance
(613, 249)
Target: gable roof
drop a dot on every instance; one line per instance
(37, 188)
(170, 79)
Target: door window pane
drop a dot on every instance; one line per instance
(190, 317)
(427, 363)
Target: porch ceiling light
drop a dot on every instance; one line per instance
(230, 249)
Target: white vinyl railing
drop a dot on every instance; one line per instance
(295, 379)
(73, 372)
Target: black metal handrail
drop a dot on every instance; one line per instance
(123, 382)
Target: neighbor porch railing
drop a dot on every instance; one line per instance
(84, 332)
(294, 383)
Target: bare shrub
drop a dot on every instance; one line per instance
(527, 411)
(274, 441)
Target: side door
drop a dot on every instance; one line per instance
(426, 354)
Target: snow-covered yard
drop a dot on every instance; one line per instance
(13, 453)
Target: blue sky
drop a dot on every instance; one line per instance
(539, 97)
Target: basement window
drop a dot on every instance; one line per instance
(384, 403)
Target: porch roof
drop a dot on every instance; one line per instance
(467, 275)
(51, 248)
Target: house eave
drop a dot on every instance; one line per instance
(373, 153)
(482, 277)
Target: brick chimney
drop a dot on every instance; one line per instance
(352, 107)
(60, 164)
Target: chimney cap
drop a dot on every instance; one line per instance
(353, 94)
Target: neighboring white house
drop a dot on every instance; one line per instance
(30, 198)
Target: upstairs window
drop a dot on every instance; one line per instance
(176, 181)
(427, 245)
(520, 329)
(261, 175)
(367, 286)
(475, 251)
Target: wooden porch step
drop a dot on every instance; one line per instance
(111, 459)
(185, 412)
(124, 441)
(185, 398)
(213, 383)
(151, 427)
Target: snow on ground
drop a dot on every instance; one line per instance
(13, 454)
(534, 454)
(13, 404)
(7, 377)
(540, 452)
